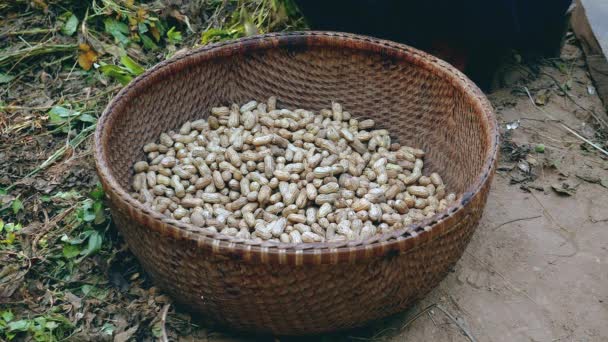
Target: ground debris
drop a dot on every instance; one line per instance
(564, 189)
(588, 176)
(512, 151)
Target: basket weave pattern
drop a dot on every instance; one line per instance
(309, 288)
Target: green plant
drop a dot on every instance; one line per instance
(86, 238)
(253, 17)
(123, 73)
(49, 327)
(65, 119)
(8, 231)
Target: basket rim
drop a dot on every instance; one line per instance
(401, 240)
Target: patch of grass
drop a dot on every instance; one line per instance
(49, 327)
(252, 17)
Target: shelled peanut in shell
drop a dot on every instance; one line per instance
(262, 173)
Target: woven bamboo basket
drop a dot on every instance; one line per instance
(306, 288)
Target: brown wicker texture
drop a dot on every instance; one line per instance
(308, 288)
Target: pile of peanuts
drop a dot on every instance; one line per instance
(267, 174)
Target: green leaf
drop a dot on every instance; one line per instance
(41, 321)
(108, 329)
(157, 330)
(59, 116)
(50, 325)
(17, 206)
(95, 241)
(67, 195)
(100, 216)
(87, 118)
(88, 212)
(63, 112)
(86, 289)
(131, 65)
(4, 78)
(214, 34)
(21, 325)
(56, 120)
(11, 227)
(10, 238)
(118, 30)
(173, 36)
(148, 42)
(82, 237)
(70, 26)
(159, 25)
(71, 251)
(95, 292)
(1, 226)
(97, 193)
(7, 315)
(142, 28)
(117, 73)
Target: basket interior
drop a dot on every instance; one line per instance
(418, 106)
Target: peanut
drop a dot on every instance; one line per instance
(258, 172)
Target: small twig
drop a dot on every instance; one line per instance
(432, 319)
(28, 32)
(540, 120)
(537, 131)
(464, 330)
(11, 108)
(71, 70)
(48, 225)
(516, 220)
(25, 41)
(590, 111)
(452, 318)
(74, 143)
(418, 315)
(573, 132)
(375, 337)
(163, 322)
(14, 57)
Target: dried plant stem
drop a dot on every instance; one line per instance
(29, 32)
(163, 323)
(12, 57)
(564, 126)
(452, 318)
